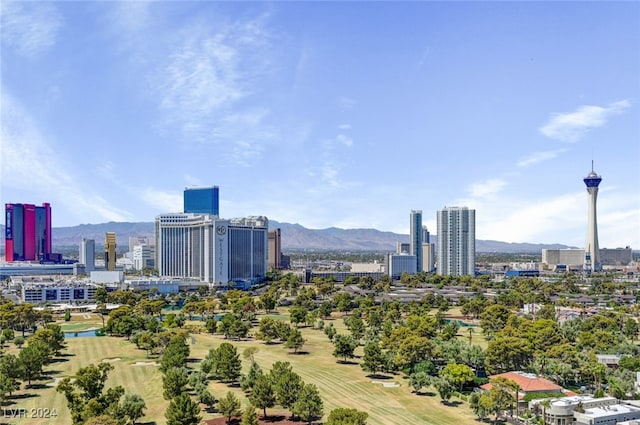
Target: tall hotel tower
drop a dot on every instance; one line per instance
(27, 232)
(202, 200)
(592, 251)
(110, 251)
(456, 247)
(415, 244)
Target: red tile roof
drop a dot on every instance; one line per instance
(527, 382)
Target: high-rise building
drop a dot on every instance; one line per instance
(110, 251)
(456, 247)
(397, 264)
(143, 256)
(88, 254)
(275, 249)
(202, 200)
(428, 251)
(213, 250)
(592, 251)
(415, 242)
(27, 232)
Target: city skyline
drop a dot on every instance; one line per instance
(327, 114)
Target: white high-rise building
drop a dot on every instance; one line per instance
(415, 242)
(592, 251)
(456, 247)
(88, 254)
(204, 247)
(143, 256)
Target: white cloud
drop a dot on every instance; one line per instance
(344, 127)
(537, 157)
(347, 103)
(29, 27)
(166, 201)
(572, 126)
(27, 157)
(192, 180)
(487, 188)
(520, 220)
(131, 16)
(210, 77)
(345, 140)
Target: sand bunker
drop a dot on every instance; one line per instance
(114, 359)
(386, 384)
(146, 364)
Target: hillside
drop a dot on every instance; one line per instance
(294, 237)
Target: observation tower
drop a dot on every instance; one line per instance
(592, 250)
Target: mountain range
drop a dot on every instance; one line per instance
(294, 237)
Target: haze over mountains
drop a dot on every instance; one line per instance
(294, 237)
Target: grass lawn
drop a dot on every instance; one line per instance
(340, 385)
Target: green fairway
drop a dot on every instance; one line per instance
(340, 385)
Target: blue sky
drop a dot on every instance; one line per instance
(346, 114)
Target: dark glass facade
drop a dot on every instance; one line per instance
(202, 200)
(28, 232)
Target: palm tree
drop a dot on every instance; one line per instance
(545, 405)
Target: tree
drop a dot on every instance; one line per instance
(249, 416)
(507, 353)
(183, 411)
(481, 404)
(413, 349)
(229, 363)
(356, 327)
(344, 346)
(211, 325)
(101, 295)
(205, 396)
(288, 388)
(330, 331)
(298, 315)
(132, 406)
(444, 387)
(279, 369)
(458, 374)
(631, 328)
(229, 406)
(263, 394)
(248, 381)
(249, 353)
(325, 309)
(494, 318)
(418, 380)
(342, 301)
(373, 359)
(309, 404)
(269, 301)
(52, 335)
(176, 354)
(7, 386)
(295, 340)
(86, 396)
(32, 359)
(10, 372)
(267, 330)
(503, 393)
(174, 382)
(346, 416)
